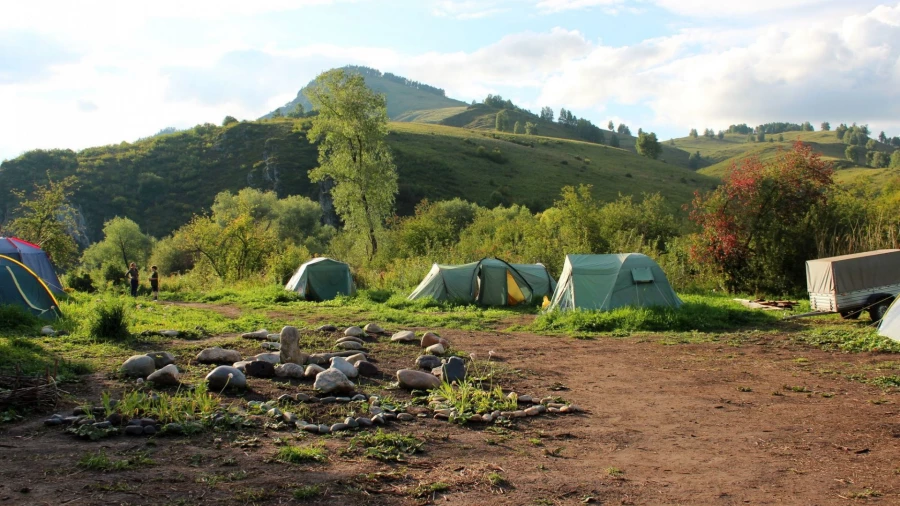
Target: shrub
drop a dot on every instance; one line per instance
(16, 318)
(80, 282)
(109, 320)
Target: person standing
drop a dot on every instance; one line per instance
(132, 274)
(154, 282)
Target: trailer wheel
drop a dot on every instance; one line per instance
(877, 311)
(850, 315)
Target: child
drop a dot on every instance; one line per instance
(132, 274)
(154, 282)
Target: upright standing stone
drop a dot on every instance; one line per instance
(290, 347)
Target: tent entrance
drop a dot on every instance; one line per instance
(514, 295)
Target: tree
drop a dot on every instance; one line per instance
(695, 160)
(853, 153)
(693, 133)
(882, 138)
(755, 228)
(761, 135)
(895, 159)
(623, 129)
(46, 218)
(647, 145)
(614, 140)
(351, 128)
(840, 131)
(780, 137)
(870, 144)
(123, 243)
(501, 123)
(825, 126)
(895, 142)
(721, 135)
(229, 120)
(562, 119)
(709, 133)
(610, 126)
(530, 128)
(278, 113)
(297, 111)
(517, 128)
(806, 127)
(546, 114)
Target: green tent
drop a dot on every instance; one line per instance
(20, 286)
(607, 282)
(489, 281)
(322, 279)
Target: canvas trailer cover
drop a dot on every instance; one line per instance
(847, 282)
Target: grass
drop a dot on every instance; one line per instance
(17, 319)
(426, 490)
(497, 479)
(386, 446)
(306, 492)
(182, 406)
(109, 320)
(844, 337)
(699, 313)
(301, 454)
(101, 462)
(469, 398)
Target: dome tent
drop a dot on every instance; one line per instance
(489, 281)
(20, 286)
(322, 279)
(606, 282)
(33, 257)
(890, 322)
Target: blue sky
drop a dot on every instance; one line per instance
(79, 74)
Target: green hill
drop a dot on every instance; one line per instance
(403, 95)
(162, 181)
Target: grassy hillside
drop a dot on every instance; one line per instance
(162, 181)
(401, 97)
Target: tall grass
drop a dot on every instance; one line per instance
(17, 319)
(108, 320)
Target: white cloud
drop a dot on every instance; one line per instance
(470, 9)
(565, 5)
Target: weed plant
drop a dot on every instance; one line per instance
(182, 406)
(101, 462)
(109, 320)
(301, 454)
(386, 446)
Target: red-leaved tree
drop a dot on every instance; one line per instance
(755, 227)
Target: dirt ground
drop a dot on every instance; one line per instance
(763, 421)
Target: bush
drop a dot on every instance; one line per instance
(80, 282)
(16, 318)
(112, 273)
(109, 320)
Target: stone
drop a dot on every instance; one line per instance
(438, 372)
(435, 349)
(525, 399)
(428, 362)
(532, 411)
(312, 371)
(354, 332)
(274, 413)
(351, 422)
(260, 369)
(324, 429)
(364, 422)
(114, 418)
(349, 345)
(271, 346)
(173, 428)
(353, 359)
(326, 328)
(378, 419)
(54, 420)
(445, 343)
(367, 369)
(373, 328)
(272, 358)
(328, 400)
(150, 429)
(259, 334)
(375, 410)
(217, 355)
(134, 430)
(430, 339)
(405, 417)
(404, 336)
(302, 398)
(565, 409)
(273, 337)
(453, 370)
(147, 421)
(348, 338)
(358, 397)
(138, 366)
(226, 376)
(310, 427)
(342, 400)
(47, 330)
(341, 364)
(575, 409)
(167, 376)
(339, 427)
(555, 411)
(290, 370)
(169, 333)
(286, 398)
(241, 365)
(290, 346)
(333, 380)
(417, 380)
(161, 358)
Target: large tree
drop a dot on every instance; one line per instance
(123, 243)
(47, 219)
(351, 127)
(647, 145)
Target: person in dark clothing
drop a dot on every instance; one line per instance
(132, 274)
(154, 282)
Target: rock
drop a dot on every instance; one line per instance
(405, 417)
(173, 428)
(273, 337)
(289, 370)
(290, 346)
(328, 400)
(138, 366)
(364, 422)
(428, 362)
(342, 400)
(47, 330)
(445, 343)
(161, 358)
(272, 358)
(310, 427)
(574, 409)
(134, 430)
(324, 358)
(217, 355)
(169, 333)
(375, 410)
(326, 328)
(351, 422)
(525, 399)
(274, 413)
(259, 334)
(353, 359)
(312, 371)
(354, 332)
(358, 397)
(430, 339)
(367, 369)
(302, 398)
(453, 370)
(417, 380)
(226, 376)
(53, 421)
(150, 429)
(324, 429)
(271, 346)
(348, 338)
(260, 369)
(404, 336)
(555, 411)
(532, 411)
(341, 364)
(339, 427)
(168, 375)
(349, 345)
(241, 365)
(435, 349)
(438, 372)
(373, 328)
(333, 380)
(378, 419)
(286, 398)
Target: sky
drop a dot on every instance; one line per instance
(94, 72)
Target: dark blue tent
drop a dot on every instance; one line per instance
(33, 257)
(20, 286)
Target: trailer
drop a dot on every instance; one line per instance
(851, 284)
